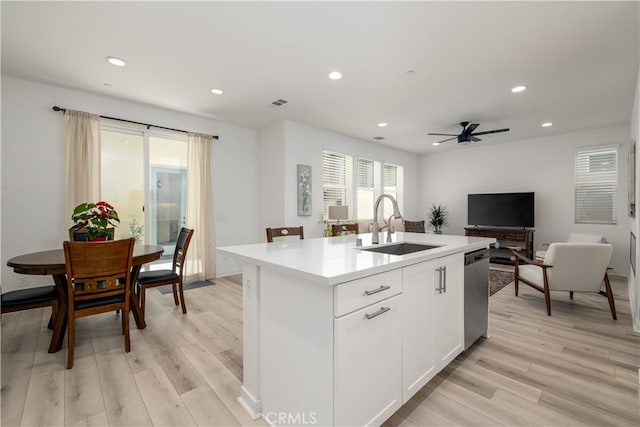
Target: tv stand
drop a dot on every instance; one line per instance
(507, 239)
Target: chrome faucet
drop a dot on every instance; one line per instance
(396, 214)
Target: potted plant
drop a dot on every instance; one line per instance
(438, 217)
(94, 219)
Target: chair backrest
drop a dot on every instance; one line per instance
(82, 236)
(182, 245)
(98, 269)
(577, 266)
(284, 231)
(339, 229)
(585, 238)
(414, 226)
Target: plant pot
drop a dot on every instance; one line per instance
(99, 239)
(437, 232)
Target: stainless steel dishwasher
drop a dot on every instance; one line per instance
(476, 295)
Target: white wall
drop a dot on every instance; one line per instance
(634, 279)
(32, 170)
(271, 173)
(542, 165)
(304, 145)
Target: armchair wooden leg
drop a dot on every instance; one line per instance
(547, 296)
(71, 336)
(184, 306)
(570, 294)
(175, 293)
(143, 292)
(612, 304)
(515, 273)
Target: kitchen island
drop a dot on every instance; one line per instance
(334, 334)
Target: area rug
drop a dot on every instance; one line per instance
(498, 279)
(191, 285)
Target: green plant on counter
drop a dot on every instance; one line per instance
(438, 217)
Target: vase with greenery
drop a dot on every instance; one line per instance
(438, 217)
(94, 219)
(326, 226)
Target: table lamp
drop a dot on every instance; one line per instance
(338, 213)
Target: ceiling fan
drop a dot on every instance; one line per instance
(467, 135)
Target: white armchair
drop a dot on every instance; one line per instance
(573, 238)
(573, 267)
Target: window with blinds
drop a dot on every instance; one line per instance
(393, 185)
(596, 186)
(337, 181)
(365, 187)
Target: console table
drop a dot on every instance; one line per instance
(507, 240)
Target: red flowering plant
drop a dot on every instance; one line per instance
(94, 218)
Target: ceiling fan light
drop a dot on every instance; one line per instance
(435, 143)
(519, 88)
(546, 125)
(335, 75)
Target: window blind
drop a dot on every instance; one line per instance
(596, 186)
(365, 183)
(336, 179)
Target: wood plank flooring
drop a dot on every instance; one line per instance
(576, 368)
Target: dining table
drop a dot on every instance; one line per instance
(52, 263)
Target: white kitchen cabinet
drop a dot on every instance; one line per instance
(448, 319)
(368, 360)
(433, 323)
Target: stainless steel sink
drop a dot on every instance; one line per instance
(401, 248)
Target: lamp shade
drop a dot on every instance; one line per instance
(338, 212)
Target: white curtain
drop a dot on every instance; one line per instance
(201, 254)
(82, 139)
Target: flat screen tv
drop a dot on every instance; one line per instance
(502, 209)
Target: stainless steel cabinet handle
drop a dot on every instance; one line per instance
(380, 289)
(377, 313)
(439, 288)
(444, 274)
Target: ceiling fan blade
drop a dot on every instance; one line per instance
(445, 140)
(491, 131)
(471, 128)
(443, 134)
(474, 139)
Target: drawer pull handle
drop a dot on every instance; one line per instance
(375, 291)
(377, 313)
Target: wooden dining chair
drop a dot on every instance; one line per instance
(29, 298)
(98, 281)
(340, 229)
(173, 277)
(284, 231)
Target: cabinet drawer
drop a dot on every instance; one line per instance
(359, 293)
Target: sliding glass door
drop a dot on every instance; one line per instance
(144, 177)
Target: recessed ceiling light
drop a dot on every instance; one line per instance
(335, 75)
(546, 125)
(382, 125)
(435, 143)
(520, 88)
(217, 91)
(115, 61)
(108, 85)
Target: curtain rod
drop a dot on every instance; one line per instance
(56, 108)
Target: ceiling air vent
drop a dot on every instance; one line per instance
(278, 102)
(378, 138)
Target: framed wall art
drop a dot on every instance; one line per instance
(304, 190)
(632, 180)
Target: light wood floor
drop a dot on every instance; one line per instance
(578, 367)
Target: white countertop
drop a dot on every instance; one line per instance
(334, 260)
